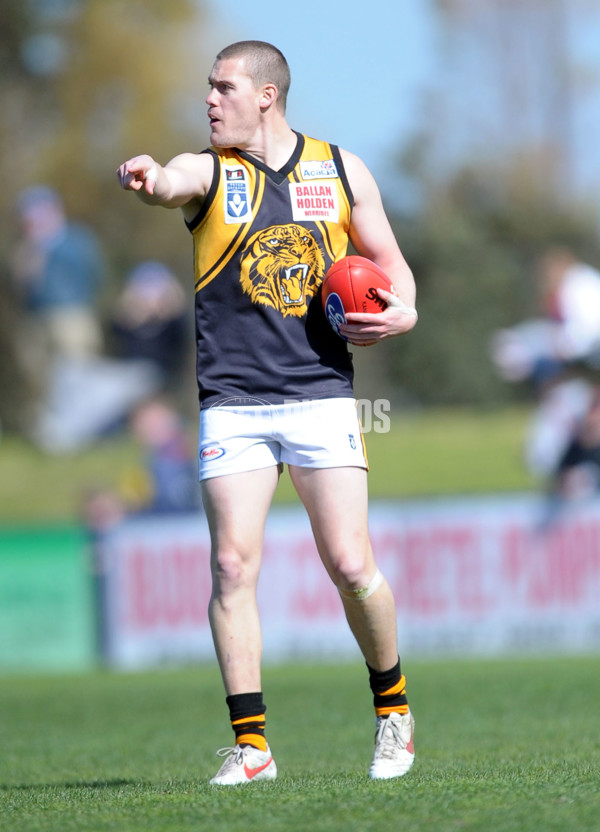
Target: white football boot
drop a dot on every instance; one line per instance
(244, 764)
(394, 746)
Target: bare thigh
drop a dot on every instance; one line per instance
(336, 500)
(236, 508)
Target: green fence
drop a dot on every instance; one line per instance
(47, 618)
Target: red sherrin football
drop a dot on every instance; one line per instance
(351, 285)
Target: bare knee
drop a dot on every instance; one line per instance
(352, 573)
(232, 571)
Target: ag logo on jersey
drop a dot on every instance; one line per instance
(236, 195)
(282, 267)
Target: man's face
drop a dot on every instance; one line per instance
(233, 104)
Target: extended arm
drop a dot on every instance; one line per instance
(181, 183)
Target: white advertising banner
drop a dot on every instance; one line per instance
(474, 576)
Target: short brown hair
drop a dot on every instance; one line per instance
(265, 64)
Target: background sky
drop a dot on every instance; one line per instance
(358, 69)
(363, 77)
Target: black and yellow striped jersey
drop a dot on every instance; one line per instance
(263, 241)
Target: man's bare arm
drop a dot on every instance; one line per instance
(372, 237)
(181, 183)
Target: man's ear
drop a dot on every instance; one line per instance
(268, 96)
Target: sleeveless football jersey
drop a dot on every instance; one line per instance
(263, 241)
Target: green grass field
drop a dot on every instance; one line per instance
(507, 746)
(504, 746)
(430, 452)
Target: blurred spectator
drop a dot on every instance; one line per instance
(91, 399)
(557, 417)
(82, 394)
(150, 321)
(578, 472)
(568, 332)
(165, 483)
(555, 352)
(58, 269)
(169, 480)
(576, 479)
(101, 510)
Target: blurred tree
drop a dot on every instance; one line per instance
(473, 249)
(529, 86)
(495, 175)
(99, 96)
(16, 396)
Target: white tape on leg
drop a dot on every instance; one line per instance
(365, 591)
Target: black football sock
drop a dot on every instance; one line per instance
(247, 715)
(389, 690)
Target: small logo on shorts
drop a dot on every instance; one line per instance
(352, 441)
(210, 453)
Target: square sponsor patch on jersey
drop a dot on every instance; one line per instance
(321, 169)
(314, 201)
(236, 195)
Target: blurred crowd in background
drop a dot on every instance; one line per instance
(94, 373)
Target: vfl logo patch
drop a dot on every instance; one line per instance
(282, 267)
(211, 453)
(236, 195)
(334, 312)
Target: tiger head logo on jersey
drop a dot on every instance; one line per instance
(282, 267)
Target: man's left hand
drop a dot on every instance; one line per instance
(363, 329)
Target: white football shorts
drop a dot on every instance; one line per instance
(321, 433)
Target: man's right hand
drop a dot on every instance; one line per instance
(137, 173)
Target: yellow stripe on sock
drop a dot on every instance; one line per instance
(396, 709)
(259, 718)
(256, 740)
(399, 687)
